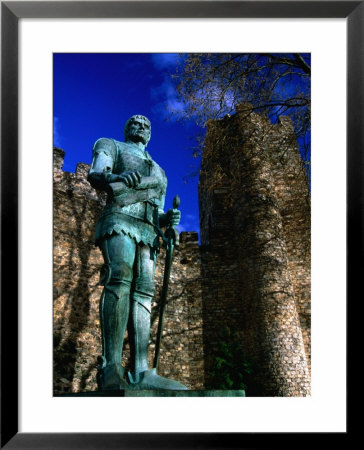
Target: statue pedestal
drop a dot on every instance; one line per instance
(199, 393)
(155, 393)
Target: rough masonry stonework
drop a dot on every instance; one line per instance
(255, 235)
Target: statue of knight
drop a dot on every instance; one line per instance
(128, 235)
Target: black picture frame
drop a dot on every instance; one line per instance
(11, 12)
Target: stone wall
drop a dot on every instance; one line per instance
(76, 268)
(255, 232)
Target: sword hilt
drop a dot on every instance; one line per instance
(174, 234)
(176, 202)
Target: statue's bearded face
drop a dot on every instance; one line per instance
(138, 130)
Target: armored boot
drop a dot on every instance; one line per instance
(110, 377)
(114, 310)
(149, 379)
(141, 377)
(138, 333)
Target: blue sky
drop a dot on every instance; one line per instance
(94, 95)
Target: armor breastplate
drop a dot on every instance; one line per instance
(137, 219)
(129, 158)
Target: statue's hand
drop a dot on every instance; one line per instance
(174, 217)
(131, 179)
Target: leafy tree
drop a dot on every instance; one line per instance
(230, 369)
(210, 86)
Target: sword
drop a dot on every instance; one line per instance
(172, 240)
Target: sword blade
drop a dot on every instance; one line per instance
(163, 301)
(172, 240)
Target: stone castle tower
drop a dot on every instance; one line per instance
(255, 236)
(251, 272)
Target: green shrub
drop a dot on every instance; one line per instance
(230, 368)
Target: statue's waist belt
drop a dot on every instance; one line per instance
(121, 195)
(145, 211)
(139, 212)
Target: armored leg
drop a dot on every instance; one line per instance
(139, 332)
(141, 377)
(118, 252)
(139, 320)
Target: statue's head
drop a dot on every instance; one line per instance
(138, 129)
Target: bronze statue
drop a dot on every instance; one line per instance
(128, 234)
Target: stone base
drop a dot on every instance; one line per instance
(155, 393)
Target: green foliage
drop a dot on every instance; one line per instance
(230, 369)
